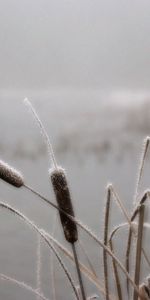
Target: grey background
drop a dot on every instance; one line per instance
(85, 66)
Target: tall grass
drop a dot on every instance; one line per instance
(137, 287)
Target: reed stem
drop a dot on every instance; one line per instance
(139, 250)
(78, 271)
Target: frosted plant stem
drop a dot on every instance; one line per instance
(52, 261)
(134, 214)
(106, 224)
(120, 204)
(141, 167)
(78, 271)
(33, 226)
(90, 276)
(116, 274)
(44, 133)
(91, 234)
(139, 249)
(88, 259)
(23, 285)
(38, 273)
(86, 229)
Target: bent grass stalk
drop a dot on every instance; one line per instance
(23, 285)
(127, 256)
(29, 222)
(139, 177)
(87, 258)
(89, 232)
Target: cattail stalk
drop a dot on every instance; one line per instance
(63, 198)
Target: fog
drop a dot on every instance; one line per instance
(94, 44)
(85, 66)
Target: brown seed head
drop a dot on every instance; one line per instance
(10, 175)
(61, 190)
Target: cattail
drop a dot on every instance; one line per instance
(10, 175)
(63, 197)
(59, 183)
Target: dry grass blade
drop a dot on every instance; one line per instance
(38, 271)
(88, 259)
(90, 233)
(44, 133)
(83, 268)
(106, 224)
(50, 245)
(127, 256)
(120, 204)
(141, 167)
(116, 274)
(139, 249)
(52, 262)
(23, 285)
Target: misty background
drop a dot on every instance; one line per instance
(85, 66)
(81, 44)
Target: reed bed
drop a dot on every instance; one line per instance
(125, 274)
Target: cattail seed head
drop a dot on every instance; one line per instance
(62, 193)
(10, 175)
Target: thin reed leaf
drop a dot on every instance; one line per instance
(44, 133)
(120, 204)
(89, 232)
(106, 224)
(139, 249)
(39, 262)
(52, 262)
(88, 258)
(33, 226)
(129, 240)
(116, 274)
(23, 285)
(87, 272)
(141, 167)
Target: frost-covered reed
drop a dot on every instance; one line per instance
(134, 222)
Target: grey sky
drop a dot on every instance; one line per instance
(79, 43)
